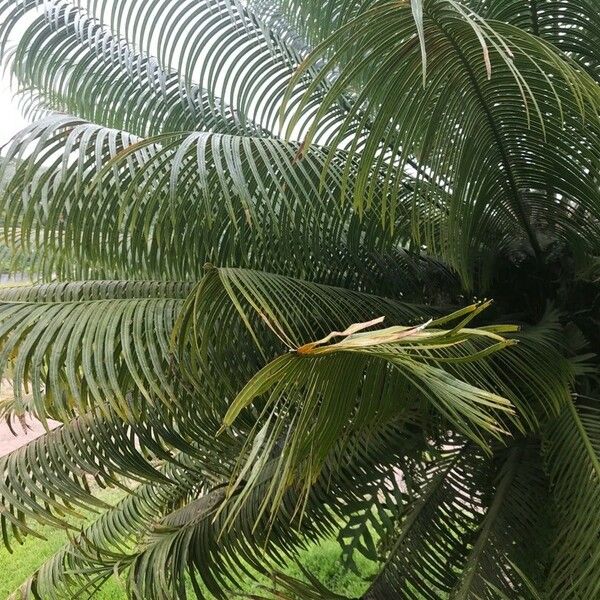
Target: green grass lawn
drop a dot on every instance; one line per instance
(15, 568)
(321, 560)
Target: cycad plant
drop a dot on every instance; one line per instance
(306, 269)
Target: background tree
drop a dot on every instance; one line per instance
(223, 200)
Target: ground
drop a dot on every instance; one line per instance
(322, 560)
(10, 442)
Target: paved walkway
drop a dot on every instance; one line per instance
(33, 429)
(10, 442)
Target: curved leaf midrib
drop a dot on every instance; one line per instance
(471, 565)
(422, 502)
(517, 205)
(594, 460)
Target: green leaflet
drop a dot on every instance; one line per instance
(79, 345)
(573, 455)
(500, 115)
(208, 291)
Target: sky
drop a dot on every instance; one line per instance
(11, 119)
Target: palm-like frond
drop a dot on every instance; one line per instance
(100, 347)
(206, 82)
(167, 528)
(218, 541)
(267, 313)
(322, 391)
(262, 303)
(427, 558)
(513, 535)
(46, 482)
(92, 555)
(572, 26)
(573, 455)
(106, 202)
(497, 121)
(222, 348)
(99, 86)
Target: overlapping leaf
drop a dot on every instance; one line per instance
(78, 345)
(100, 202)
(499, 118)
(573, 455)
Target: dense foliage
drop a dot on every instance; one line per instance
(264, 234)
